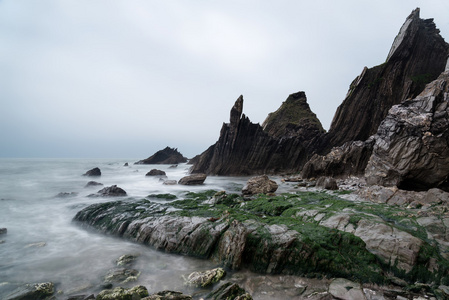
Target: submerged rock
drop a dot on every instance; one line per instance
(3, 230)
(122, 275)
(205, 278)
(259, 185)
(119, 293)
(32, 291)
(93, 172)
(66, 195)
(167, 156)
(92, 183)
(194, 179)
(127, 259)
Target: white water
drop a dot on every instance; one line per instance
(76, 259)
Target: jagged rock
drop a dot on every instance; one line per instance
(411, 149)
(92, 183)
(166, 156)
(229, 291)
(327, 183)
(155, 172)
(349, 159)
(93, 172)
(194, 179)
(244, 148)
(110, 191)
(168, 295)
(120, 293)
(259, 185)
(205, 278)
(344, 289)
(32, 291)
(126, 165)
(418, 56)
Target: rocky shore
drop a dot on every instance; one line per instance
(391, 240)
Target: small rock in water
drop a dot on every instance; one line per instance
(170, 182)
(168, 295)
(122, 275)
(93, 172)
(110, 191)
(156, 172)
(194, 179)
(120, 293)
(36, 245)
(66, 195)
(126, 165)
(127, 259)
(92, 183)
(205, 278)
(3, 230)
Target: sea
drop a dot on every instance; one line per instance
(42, 243)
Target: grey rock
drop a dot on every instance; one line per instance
(344, 289)
(66, 195)
(93, 172)
(155, 172)
(110, 191)
(259, 185)
(170, 182)
(229, 291)
(327, 183)
(119, 293)
(194, 179)
(411, 149)
(92, 183)
(168, 295)
(127, 259)
(3, 230)
(205, 278)
(167, 156)
(122, 275)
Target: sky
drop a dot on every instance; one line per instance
(124, 79)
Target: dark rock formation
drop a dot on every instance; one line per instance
(327, 183)
(155, 172)
(417, 56)
(259, 185)
(349, 159)
(119, 293)
(110, 191)
(92, 183)
(3, 230)
(194, 179)
(168, 295)
(93, 172)
(66, 194)
(166, 156)
(412, 143)
(229, 291)
(245, 148)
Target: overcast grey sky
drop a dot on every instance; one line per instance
(107, 78)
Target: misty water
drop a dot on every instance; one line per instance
(43, 244)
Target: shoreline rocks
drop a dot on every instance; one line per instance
(95, 172)
(110, 191)
(259, 185)
(167, 156)
(194, 179)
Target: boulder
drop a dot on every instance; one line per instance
(327, 183)
(194, 179)
(110, 191)
(155, 172)
(412, 143)
(259, 185)
(92, 183)
(120, 293)
(168, 295)
(126, 165)
(93, 172)
(229, 290)
(3, 230)
(344, 289)
(205, 278)
(121, 275)
(32, 291)
(167, 156)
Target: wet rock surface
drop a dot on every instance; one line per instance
(194, 179)
(110, 191)
(259, 185)
(32, 291)
(155, 172)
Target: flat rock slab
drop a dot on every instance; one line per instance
(344, 289)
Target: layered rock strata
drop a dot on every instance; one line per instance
(167, 156)
(283, 144)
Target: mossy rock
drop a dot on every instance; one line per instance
(120, 293)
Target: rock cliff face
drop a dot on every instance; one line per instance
(283, 144)
(412, 143)
(418, 56)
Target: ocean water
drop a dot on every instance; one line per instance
(43, 244)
